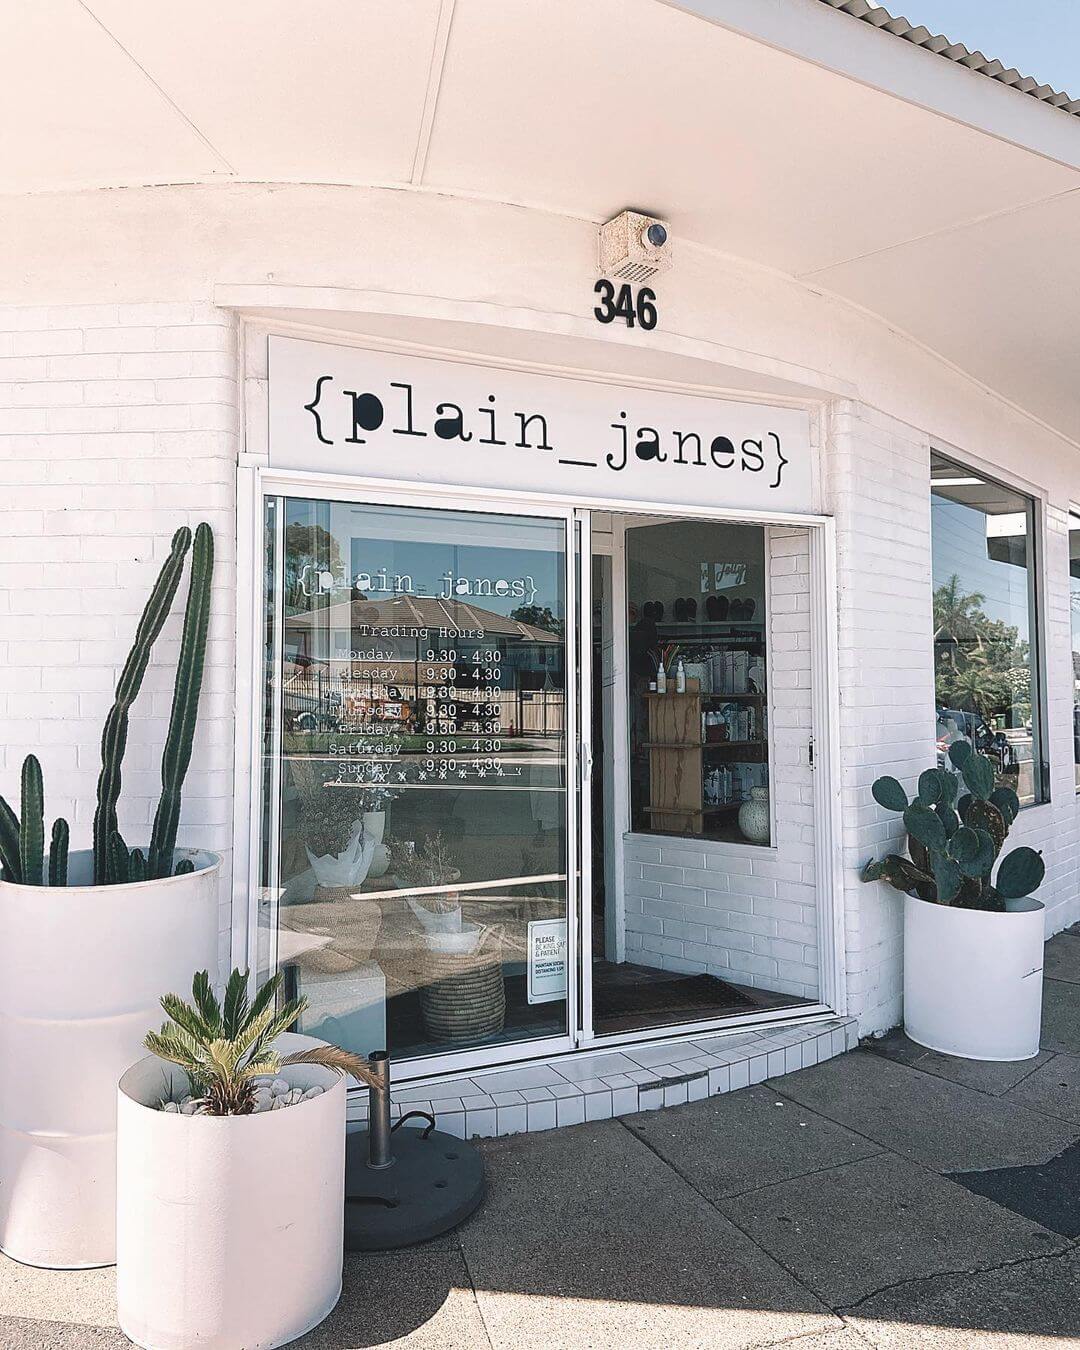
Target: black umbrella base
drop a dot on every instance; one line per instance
(433, 1184)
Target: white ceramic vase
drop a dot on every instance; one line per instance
(82, 968)
(347, 868)
(230, 1229)
(375, 828)
(374, 825)
(754, 816)
(973, 979)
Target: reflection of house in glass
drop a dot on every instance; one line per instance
(424, 665)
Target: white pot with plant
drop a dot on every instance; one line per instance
(331, 823)
(973, 941)
(87, 941)
(376, 800)
(427, 874)
(230, 1189)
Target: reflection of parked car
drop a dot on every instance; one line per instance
(955, 724)
(311, 705)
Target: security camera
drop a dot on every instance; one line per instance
(634, 247)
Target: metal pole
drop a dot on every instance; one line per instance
(379, 1154)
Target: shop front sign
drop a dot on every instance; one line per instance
(347, 410)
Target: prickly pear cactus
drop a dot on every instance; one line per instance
(955, 840)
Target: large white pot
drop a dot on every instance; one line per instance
(347, 868)
(973, 979)
(82, 968)
(230, 1229)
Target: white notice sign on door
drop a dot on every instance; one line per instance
(547, 960)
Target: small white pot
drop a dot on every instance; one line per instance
(973, 979)
(754, 816)
(230, 1229)
(374, 825)
(436, 921)
(82, 968)
(347, 868)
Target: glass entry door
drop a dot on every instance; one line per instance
(418, 842)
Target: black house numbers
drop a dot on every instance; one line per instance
(623, 304)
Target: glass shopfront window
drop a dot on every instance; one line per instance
(1074, 619)
(699, 749)
(415, 773)
(986, 638)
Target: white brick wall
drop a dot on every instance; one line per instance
(745, 914)
(877, 475)
(118, 423)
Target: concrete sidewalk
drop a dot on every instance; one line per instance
(892, 1197)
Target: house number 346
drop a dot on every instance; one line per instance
(622, 304)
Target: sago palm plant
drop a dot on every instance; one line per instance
(224, 1047)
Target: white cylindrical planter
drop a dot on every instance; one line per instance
(973, 979)
(230, 1229)
(82, 968)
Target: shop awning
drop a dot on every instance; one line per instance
(788, 134)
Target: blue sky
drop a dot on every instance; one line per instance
(1040, 38)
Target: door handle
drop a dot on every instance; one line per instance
(585, 760)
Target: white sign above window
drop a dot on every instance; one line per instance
(346, 410)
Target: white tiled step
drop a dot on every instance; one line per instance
(597, 1086)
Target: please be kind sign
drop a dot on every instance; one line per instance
(347, 410)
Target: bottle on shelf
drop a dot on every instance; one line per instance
(680, 677)
(661, 679)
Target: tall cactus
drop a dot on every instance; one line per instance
(32, 824)
(58, 853)
(10, 861)
(114, 736)
(189, 673)
(953, 848)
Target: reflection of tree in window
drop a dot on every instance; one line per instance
(309, 550)
(980, 663)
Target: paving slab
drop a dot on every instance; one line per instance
(744, 1140)
(18, 1333)
(85, 1296)
(419, 1298)
(1053, 1089)
(982, 1075)
(942, 1124)
(847, 1232)
(588, 1239)
(1048, 1193)
(1061, 959)
(1061, 1016)
(1031, 1305)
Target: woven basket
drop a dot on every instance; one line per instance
(463, 998)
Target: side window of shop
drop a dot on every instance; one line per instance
(987, 657)
(1074, 618)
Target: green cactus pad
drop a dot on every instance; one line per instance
(947, 877)
(964, 845)
(930, 787)
(1020, 873)
(963, 805)
(981, 863)
(889, 793)
(923, 823)
(948, 818)
(978, 774)
(959, 753)
(1007, 802)
(985, 816)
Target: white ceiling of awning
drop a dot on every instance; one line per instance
(901, 194)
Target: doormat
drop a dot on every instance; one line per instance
(665, 996)
(1048, 1193)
